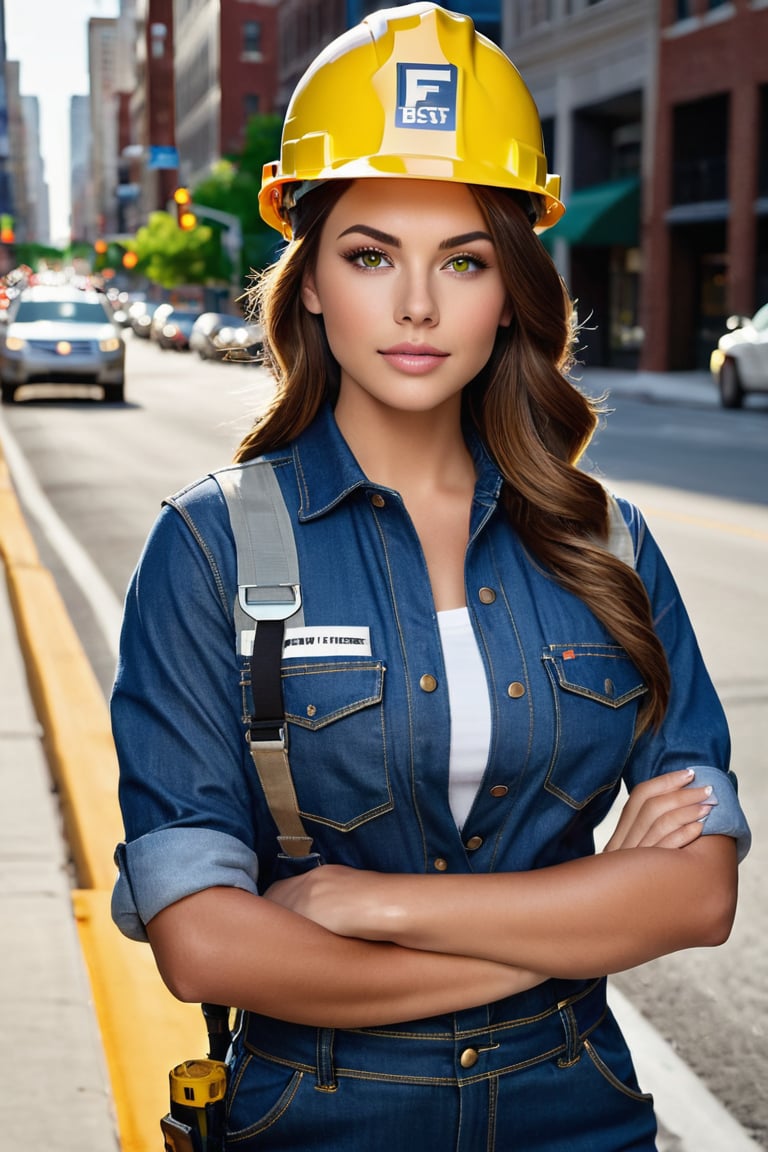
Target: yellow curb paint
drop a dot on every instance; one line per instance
(145, 1031)
(16, 544)
(75, 720)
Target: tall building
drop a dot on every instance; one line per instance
(706, 220)
(591, 67)
(126, 189)
(225, 64)
(82, 218)
(103, 71)
(6, 196)
(38, 211)
(154, 161)
(17, 151)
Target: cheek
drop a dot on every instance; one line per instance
(350, 313)
(484, 316)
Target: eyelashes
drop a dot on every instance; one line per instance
(371, 259)
(359, 256)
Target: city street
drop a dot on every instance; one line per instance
(91, 478)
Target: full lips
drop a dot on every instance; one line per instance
(412, 360)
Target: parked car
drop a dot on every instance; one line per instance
(223, 336)
(172, 328)
(739, 364)
(61, 336)
(140, 314)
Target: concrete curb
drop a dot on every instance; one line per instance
(144, 1030)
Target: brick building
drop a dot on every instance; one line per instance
(226, 71)
(705, 219)
(153, 163)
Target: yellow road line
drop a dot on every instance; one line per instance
(705, 522)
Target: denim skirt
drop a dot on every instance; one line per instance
(535, 1073)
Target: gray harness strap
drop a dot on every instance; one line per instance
(268, 594)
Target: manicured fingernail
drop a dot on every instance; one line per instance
(708, 790)
(689, 772)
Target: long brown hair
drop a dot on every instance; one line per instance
(535, 422)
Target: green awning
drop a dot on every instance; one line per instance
(603, 214)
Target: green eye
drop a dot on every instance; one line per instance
(461, 264)
(370, 259)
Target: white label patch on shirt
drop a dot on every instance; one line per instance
(326, 641)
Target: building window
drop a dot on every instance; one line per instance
(251, 105)
(700, 169)
(548, 135)
(683, 10)
(762, 138)
(252, 37)
(533, 13)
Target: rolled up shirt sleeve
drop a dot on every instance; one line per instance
(726, 817)
(165, 866)
(188, 792)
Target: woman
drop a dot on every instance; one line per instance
(508, 670)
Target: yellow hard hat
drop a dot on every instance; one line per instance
(415, 92)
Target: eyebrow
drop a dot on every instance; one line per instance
(394, 242)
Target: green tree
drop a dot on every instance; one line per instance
(170, 256)
(32, 254)
(233, 186)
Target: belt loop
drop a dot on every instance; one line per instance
(326, 1073)
(573, 1041)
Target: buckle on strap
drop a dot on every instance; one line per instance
(254, 602)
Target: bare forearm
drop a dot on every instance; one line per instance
(586, 917)
(227, 946)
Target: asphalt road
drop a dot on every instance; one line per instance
(700, 476)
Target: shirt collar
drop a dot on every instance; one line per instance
(328, 473)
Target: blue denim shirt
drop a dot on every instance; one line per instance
(369, 734)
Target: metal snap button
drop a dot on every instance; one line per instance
(378, 500)
(311, 710)
(428, 683)
(469, 1058)
(441, 865)
(516, 690)
(499, 790)
(486, 595)
(473, 843)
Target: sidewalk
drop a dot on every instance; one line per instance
(56, 1093)
(75, 1057)
(659, 387)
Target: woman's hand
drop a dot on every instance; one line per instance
(663, 813)
(347, 901)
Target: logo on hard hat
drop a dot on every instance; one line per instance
(426, 96)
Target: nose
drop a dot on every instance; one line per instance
(416, 302)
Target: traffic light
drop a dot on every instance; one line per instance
(184, 215)
(7, 235)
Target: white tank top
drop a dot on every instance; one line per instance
(470, 710)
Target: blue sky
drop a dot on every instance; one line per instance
(49, 38)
